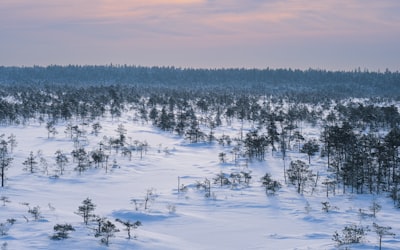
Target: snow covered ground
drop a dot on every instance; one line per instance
(241, 217)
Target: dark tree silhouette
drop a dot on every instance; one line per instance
(5, 160)
(298, 174)
(30, 163)
(129, 225)
(86, 209)
(310, 148)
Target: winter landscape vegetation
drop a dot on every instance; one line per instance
(130, 157)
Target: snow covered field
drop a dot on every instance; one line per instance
(234, 217)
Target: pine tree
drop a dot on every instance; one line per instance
(299, 173)
(61, 231)
(61, 160)
(82, 157)
(310, 148)
(86, 209)
(271, 186)
(107, 230)
(121, 130)
(5, 160)
(96, 128)
(382, 231)
(30, 163)
(51, 129)
(129, 226)
(12, 142)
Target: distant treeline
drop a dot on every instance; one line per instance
(312, 83)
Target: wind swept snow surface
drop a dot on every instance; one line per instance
(233, 217)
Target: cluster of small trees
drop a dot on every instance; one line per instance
(271, 186)
(354, 234)
(83, 159)
(233, 180)
(104, 228)
(364, 162)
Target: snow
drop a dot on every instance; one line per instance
(241, 217)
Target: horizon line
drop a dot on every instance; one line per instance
(357, 69)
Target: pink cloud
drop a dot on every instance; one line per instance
(128, 26)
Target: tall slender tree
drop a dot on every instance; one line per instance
(30, 163)
(5, 160)
(310, 148)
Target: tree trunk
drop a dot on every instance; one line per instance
(2, 176)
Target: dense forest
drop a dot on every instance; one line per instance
(305, 84)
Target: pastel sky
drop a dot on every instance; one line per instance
(324, 34)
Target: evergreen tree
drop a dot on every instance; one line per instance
(5, 160)
(86, 209)
(129, 225)
(81, 156)
(30, 163)
(310, 148)
(61, 160)
(12, 142)
(298, 174)
(61, 231)
(51, 129)
(272, 134)
(107, 231)
(271, 186)
(382, 231)
(166, 120)
(96, 128)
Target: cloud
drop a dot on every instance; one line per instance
(201, 17)
(271, 26)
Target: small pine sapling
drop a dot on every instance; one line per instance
(30, 163)
(330, 186)
(86, 209)
(35, 212)
(100, 221)
(375, 208)
(206, 185)
(61, 231)
(96, 127)
(246, 176)
(12, 140)
(5, 226)
(350, 235)
(107, 231)
(271, 186)
(382, 231)
(310, 148)
(129, 226)
(137, 204)
(149, 197)
(326, 207)
(222, 179)
(51, 129)
(61, 160)
(222, 156)
(5, 200)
